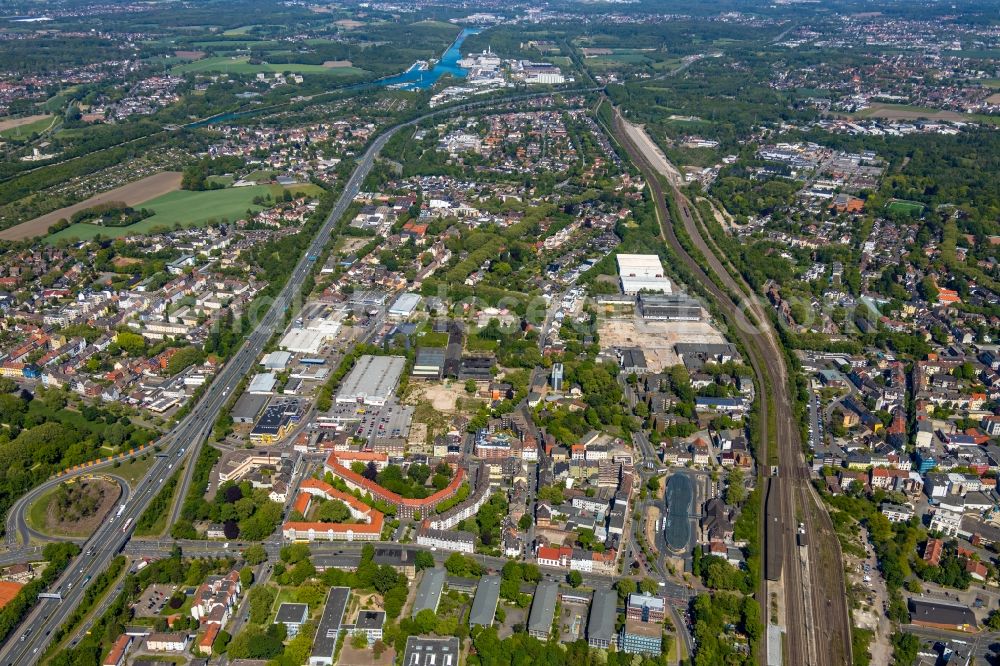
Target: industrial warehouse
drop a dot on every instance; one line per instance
(372, 381)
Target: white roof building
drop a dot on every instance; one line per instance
(276, 360)
(642, 272)
(262, 383)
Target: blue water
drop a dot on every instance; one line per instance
(411, 79)
(677, 526)
(416, 79)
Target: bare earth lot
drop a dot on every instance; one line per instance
(656, 338)
(132, 194)
(336, 64)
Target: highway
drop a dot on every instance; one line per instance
(819, 634)
(188, 435)
(182, 442)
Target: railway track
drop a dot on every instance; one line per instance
(823, 638)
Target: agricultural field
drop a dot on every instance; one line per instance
(241, 65)
(131, 194)
(20, 128)
(189, 209)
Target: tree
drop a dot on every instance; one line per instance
(735, 488)
(246, 577)
(423, 560)
(575, 578)
(255, 554)
(332, 511)
(625, 587)
(648, 586)
(470, 386)
(426, 621)
(525, 522)
(359, 641)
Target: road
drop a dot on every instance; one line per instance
(824, 636)
(17, 525)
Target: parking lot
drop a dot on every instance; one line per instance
(369, 422)
(153, 599)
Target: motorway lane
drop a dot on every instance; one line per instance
(32, 636)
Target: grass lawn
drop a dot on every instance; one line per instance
(133, 469)
(36, 512)
(225, 181)
(24, 131)
(432, 339)
(241, 65)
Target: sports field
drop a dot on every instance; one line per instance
(241, 65)
(905, 207)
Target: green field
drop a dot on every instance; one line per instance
(24, 131)
(905, 207)
(189, 209)
(241, 65)
(242, 30)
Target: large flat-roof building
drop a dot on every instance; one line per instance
(249, 407)
(429, 590)
(426, 651)
(638, 637)
(601, 623)
(429, 363)
(276, 360)
(942, 615)
(669, 307)
(325, 642)
(277, 419)
(642, 272)
(645, 607)
(293, 616)
(543, 609)
(484, 606)
(263, 383)
(404, 306)
(372, 381)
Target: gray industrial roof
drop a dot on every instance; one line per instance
(249, 407)
(373, 379)
(603, 613)
(429, 590)
(484, 606)
(543, 607)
